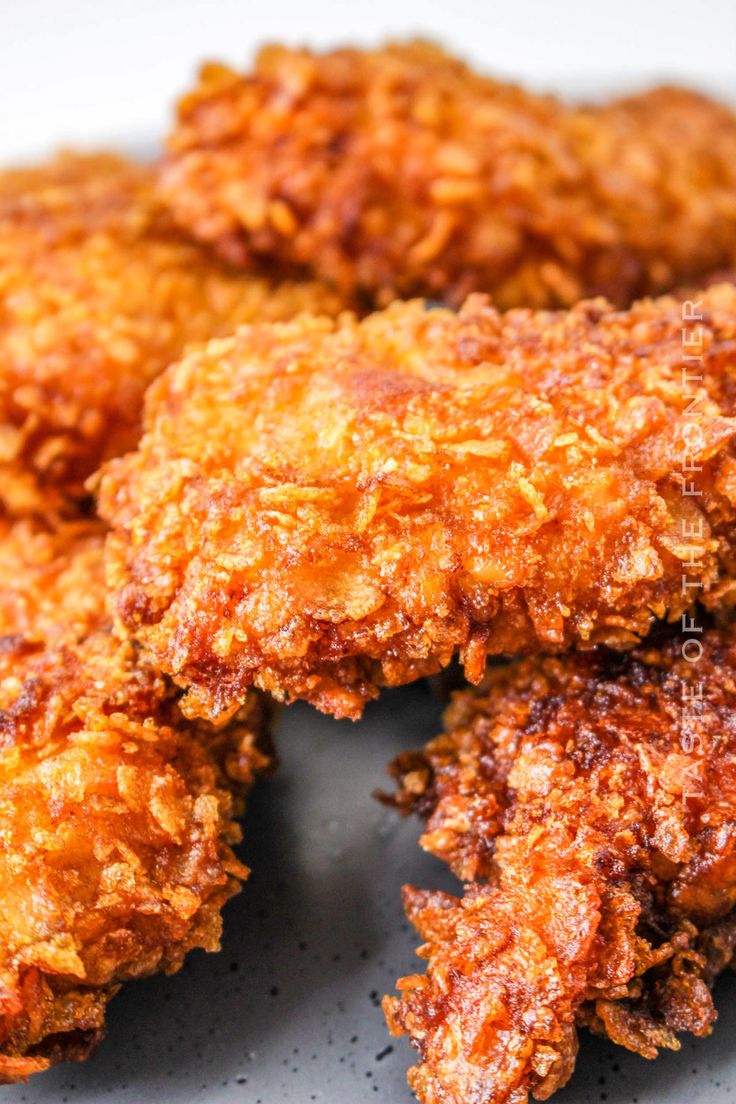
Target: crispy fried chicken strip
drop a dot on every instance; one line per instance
(116, 815)
(402, 172)
(591, 802)
(322, 508)
(98, 293)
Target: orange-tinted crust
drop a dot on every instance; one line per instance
(116, 815)
(98, 293)
(402, 172)
(591, 802)
(322, 508)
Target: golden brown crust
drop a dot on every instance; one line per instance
(321, 508)
(595, 798)
(402, 172)
(116, 816)
(98, 293)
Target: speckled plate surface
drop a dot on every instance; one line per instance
(289, 1012)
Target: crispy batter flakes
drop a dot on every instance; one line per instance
(594, 811)
(322, 508)
(402, 172)
(98, 293)
(116, 816)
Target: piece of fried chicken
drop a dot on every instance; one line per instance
(596, 795)
(98, 293)
(321, 508)
(116, 815)
(402, 172)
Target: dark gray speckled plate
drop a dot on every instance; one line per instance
(290, 1010)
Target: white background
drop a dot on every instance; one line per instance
(87, 71)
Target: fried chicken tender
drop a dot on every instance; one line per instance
(402, 172)
(116, 815)
(596, 795)
(98, 293)
(321, 508)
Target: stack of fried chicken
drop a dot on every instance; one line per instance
(239, 465)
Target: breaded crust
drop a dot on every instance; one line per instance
(402, 172)
(116, 815)
(322, 508)
(591, 803)
(98, 293)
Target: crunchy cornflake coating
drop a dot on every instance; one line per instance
(98, 293)
(116, 815)
(321, 508)
(400, 172)
(600, 805)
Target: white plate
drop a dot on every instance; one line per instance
(289, 1011)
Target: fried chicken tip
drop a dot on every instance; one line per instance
(589, 802)
(322, 508)
(400, 171)
(99, 292)
(116, 815)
